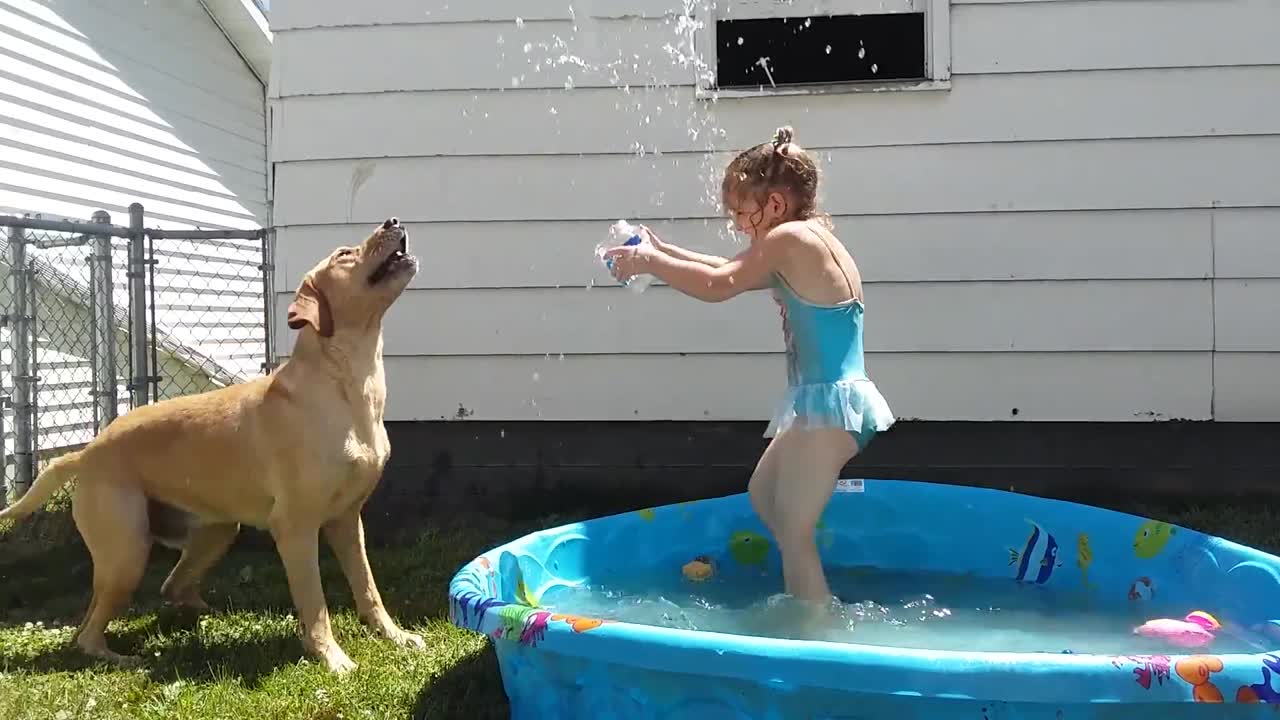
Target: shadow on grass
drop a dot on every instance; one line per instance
(51, 589)
(471, 689)
(184, 657)
(250, 633)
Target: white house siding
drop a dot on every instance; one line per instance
(108, 102)
(1085, 226)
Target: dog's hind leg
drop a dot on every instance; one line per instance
(204, 546)
(112, 520)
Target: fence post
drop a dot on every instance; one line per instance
(104, 325)
(268, 301)
(20, 369)
(138, 301)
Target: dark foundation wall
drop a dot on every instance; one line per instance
(521, 470)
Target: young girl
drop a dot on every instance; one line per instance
(832, 410)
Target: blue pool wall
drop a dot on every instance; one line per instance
(894, 525)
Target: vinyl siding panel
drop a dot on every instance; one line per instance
(1082, 227)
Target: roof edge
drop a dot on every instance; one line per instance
(246, 28)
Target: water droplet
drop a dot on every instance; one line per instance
(528, 47)
(740, 40)
(862, 52)
(874, 67)
(520, 22)
(553, 110)
(828, 49)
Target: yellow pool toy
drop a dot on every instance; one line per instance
(698, 569)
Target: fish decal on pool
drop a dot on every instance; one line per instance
(1038, 558)
(578, 623)
(1152, 538)
(1264, 692)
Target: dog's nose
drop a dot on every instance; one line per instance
(390, 223)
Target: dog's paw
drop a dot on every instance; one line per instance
(103, 654)
(407, 640)
(337, 662)
(118, 661)
(191, 603)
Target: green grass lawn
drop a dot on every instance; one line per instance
(245, 659)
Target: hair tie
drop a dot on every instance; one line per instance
(782, 138)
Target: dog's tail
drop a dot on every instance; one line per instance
(54, 476)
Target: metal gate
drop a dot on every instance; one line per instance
(98, 318)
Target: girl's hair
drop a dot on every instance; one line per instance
(777, 166)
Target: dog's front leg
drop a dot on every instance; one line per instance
(345, 534)
(300, 552)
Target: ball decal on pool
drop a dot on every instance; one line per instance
(1144, 588)
(748, 548)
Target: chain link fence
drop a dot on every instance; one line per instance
(98, 318)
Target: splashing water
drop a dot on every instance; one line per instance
(594, 49)
(911, 609)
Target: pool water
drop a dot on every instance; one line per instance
(915, 609)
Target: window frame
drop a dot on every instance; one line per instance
(937, 61)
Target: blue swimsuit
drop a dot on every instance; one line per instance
(827, 382)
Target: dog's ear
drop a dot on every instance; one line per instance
(310, 306)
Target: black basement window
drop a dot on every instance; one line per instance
(821, 49)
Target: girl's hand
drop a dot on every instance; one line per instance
(630, 260)
(653, 238)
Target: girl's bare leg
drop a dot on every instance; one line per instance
(761, 487)
(809, 461)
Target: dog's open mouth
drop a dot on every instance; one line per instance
(392, 263)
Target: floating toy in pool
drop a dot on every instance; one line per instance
(698, 569)
(1196, 630)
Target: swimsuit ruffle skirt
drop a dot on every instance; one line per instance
(827, 383)
(854, 404)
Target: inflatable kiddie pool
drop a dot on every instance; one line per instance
(559, 665)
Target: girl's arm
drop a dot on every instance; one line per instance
(680, 253)
(749, 270)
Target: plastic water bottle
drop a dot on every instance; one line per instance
(624, 233)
